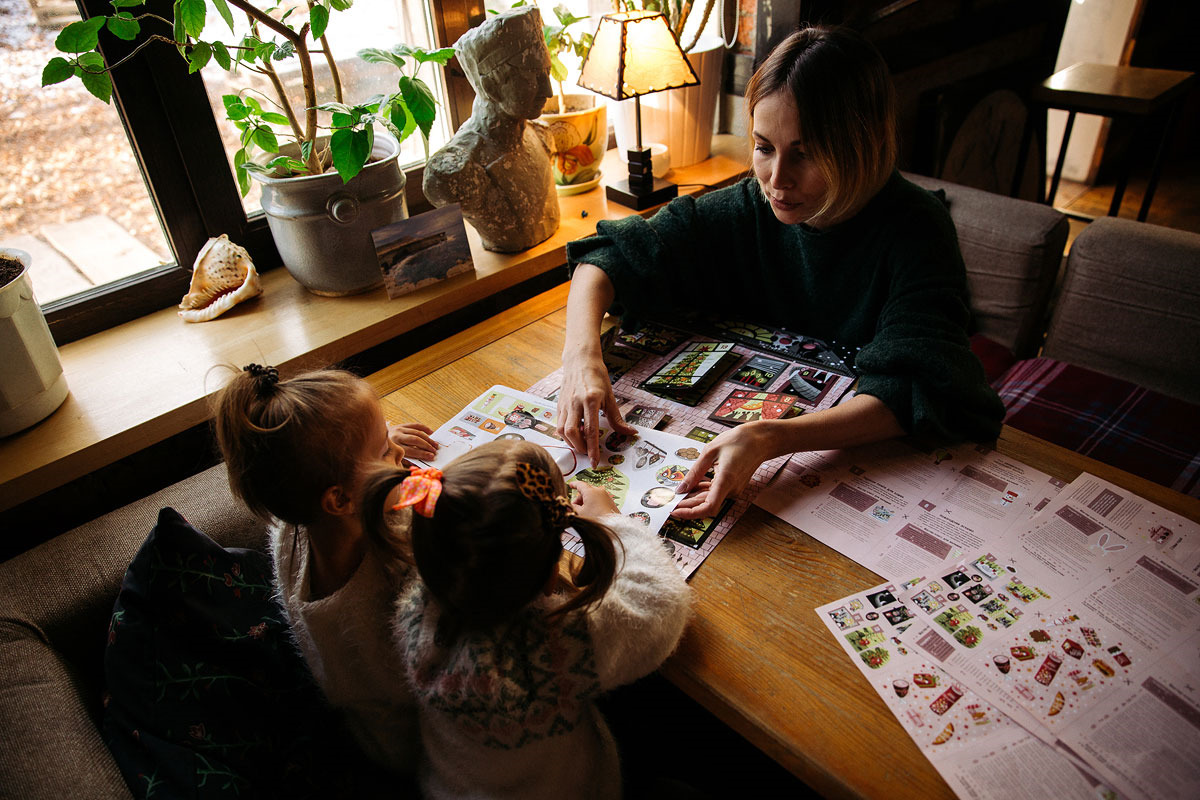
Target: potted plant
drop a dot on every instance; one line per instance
(32, 384)
(332, 180)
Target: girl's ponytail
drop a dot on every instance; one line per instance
(599, 567)
(373, 510)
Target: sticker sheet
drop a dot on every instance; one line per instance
(1085, 625)
(640, 472)
(980, 751)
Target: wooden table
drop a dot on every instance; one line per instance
(756, 655)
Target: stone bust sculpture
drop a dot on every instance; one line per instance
(497, 167)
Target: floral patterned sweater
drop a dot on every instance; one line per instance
(509, 713)
(346, 639)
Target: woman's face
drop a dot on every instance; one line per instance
(790, 179)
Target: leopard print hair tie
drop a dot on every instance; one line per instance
(535, 483)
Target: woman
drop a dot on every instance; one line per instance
(826, 239)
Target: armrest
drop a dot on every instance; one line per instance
(1012, 249)
(1130, 306)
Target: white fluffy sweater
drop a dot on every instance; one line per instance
(346, 639)
(509, 713)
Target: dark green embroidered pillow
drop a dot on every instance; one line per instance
(206, 696)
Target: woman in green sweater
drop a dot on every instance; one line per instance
(826, 239)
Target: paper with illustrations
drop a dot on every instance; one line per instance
(981, 752)
(1086, 621)
(640, 472)
(896, 509)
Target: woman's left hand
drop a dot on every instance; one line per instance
(733, 456)
(415, 438)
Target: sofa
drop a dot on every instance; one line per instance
(1125, 312)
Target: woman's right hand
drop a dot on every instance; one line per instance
(592, 502)
(585, 392)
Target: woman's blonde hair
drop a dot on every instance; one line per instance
(489, 549)
(847, 107)
(286, 441)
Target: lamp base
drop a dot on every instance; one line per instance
(620, 192)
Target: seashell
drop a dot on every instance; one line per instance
(222, 277)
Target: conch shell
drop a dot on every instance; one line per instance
(222, 277)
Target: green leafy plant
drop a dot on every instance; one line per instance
(272, 38)
(559, 41)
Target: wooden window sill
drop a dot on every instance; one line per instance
(139, 383)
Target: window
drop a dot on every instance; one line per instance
(173, 138)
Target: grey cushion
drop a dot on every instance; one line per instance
(1129, 306)
(55, 604)
(1013, 250)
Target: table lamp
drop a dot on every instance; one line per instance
(635, 53)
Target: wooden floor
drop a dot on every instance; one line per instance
(1176, 202)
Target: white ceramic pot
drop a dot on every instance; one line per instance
(682, 119)
(32, 384)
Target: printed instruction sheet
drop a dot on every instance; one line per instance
(896, 509)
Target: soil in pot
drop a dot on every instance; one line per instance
(10, 269)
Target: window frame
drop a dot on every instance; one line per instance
(166, 113)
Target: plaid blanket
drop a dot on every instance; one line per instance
(1110, 420)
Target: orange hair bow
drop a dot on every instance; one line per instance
(421, 490)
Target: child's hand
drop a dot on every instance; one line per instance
(415, 439)
(591, 501)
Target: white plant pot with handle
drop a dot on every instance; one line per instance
(32, 383)
(682, 119)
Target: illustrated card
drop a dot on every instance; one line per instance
(688, 375)
(758, 372)
(652, 338)
(645, 416)
(619, 360)
(743, 405)
(693, 532)
(810, 384)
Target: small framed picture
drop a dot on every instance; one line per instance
(422, 250)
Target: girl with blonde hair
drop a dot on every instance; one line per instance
(297, 451)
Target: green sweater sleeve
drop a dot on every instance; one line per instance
(679, 257)
(919, 361)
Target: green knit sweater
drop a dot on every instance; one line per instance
(890, 280)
